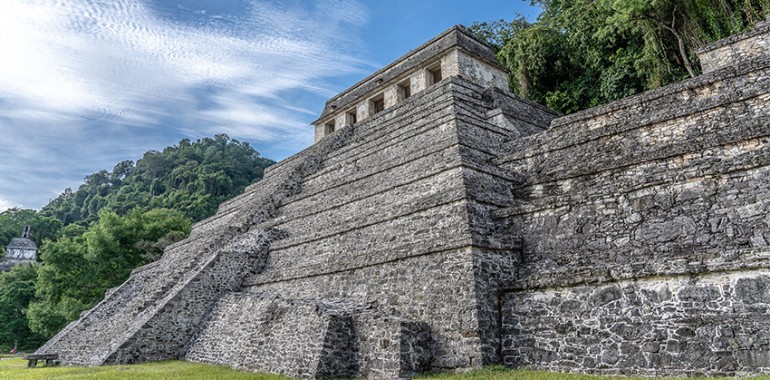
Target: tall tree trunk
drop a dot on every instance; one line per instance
(683, 53)
(679, 40)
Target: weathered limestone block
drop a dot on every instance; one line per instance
(269, 334)
(392, 347)
(733, 50)
(311, 339)
(676, 326)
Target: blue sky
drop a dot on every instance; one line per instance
(85, 84)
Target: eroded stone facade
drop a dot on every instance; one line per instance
(460, 226)
(21, 250)
(693, 325)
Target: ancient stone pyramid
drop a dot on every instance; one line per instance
(440, 222)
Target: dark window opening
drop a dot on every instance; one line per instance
(328, 128)
(434, 75)
(404, 90)
(378, 104)
(350, 117)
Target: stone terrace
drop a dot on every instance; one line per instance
(440, 222)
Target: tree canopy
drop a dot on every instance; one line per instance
(17, 289)
(582, 53)
(191, 177)
(91, 239)
(82, 264)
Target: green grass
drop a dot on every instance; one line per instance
(16, 369)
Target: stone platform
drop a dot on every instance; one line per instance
(441, 223)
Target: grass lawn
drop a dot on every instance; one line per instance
(16, 369)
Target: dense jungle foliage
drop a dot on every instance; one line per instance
(582, 53)
(91, 239)
(190, 177)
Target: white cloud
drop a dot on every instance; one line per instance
(78, 78)
(117, 57)
(6, 204)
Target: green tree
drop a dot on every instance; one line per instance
(12, 222)
(17, 289)
(80, 266)
(582, 53)
(193, 177)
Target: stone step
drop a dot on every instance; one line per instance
(390, 129)
(652, 107)
(642, 128)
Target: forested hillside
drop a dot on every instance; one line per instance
(580, 53)
(90, 239)
(190, 177)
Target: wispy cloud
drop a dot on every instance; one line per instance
(85, 81)
(5, 204)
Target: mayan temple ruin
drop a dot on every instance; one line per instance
(441, 223)
(19, 251)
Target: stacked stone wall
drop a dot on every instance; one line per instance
(311, 339)
(670, 183)
(647, 190)
(342, 244)
(711, 324)
(256, 331)
(433, 288)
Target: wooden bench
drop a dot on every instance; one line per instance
(50, 359)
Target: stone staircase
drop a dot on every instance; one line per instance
(314, 232)
(176, 293)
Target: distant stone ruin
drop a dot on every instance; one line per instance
(441, 223)
(18, 251)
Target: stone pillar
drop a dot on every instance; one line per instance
(391, 96)
(450, 64)
(340, 120)
(350, 117)
(419, 81)
(363, 110)
(319, 132)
